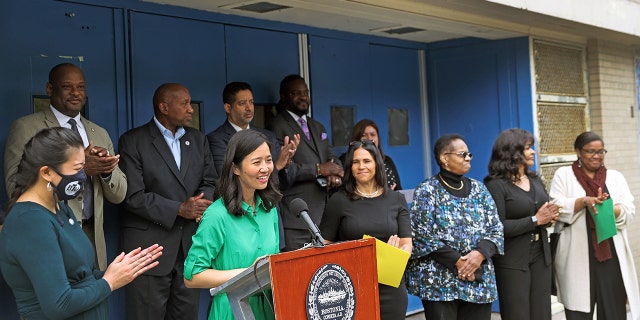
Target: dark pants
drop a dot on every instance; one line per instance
(607, 289)
(296, 238)
(162, 297)
(526, 294)
(456, 310)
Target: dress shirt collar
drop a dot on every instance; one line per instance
(235, 126)
(63, 120)
(259, 204)
(167, 133)
(296, 117)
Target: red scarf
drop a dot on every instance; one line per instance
(602, 250)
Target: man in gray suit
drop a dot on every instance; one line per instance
(67, 91)
(171, 182)
(316, 165)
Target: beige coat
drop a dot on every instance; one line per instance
(114, 190)
(572, 258)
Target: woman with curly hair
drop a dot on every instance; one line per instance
(523, 273)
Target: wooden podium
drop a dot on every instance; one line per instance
(338, 281)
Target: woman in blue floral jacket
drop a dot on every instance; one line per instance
(456, 230)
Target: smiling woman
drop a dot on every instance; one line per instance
(240, 226)
(591, 272)
(457, 231)
(523, 273)
(367, 206)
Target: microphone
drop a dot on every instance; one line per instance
(298, 205)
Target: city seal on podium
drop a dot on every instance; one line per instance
(330, 295)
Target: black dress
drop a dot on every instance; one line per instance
(380, 217)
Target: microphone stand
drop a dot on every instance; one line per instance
(315, 241)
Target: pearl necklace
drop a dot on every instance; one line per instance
(369, 195)
(448, 185)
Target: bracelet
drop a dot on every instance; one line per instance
(318, 170)
(584, 201)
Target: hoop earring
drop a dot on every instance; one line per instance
(49, 186)
(579, 163)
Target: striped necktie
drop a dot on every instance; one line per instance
(305, 128)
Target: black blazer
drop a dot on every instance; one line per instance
(156, 188)
(516, 208)
(308, 154)
(219, 139)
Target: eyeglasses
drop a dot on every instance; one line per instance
(592, 152)
(358, 143)
(462, 154)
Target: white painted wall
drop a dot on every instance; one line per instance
(618, 15)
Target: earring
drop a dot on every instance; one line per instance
(446, 164)
(579, 163)
(49, 186)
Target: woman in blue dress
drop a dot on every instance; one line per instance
(238, 228)
(456, 230)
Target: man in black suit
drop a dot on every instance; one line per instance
(316, 165)
(238, 105)
(171, 181)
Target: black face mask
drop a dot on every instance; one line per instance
(70, 186)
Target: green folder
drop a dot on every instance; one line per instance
(605, 220)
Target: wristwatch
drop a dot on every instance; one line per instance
(534, 219)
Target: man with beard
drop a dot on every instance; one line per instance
(316, 165)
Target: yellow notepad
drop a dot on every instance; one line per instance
(391, 263)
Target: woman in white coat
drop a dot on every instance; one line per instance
(589, 273)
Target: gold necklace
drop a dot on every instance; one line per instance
(370, 195)
(448, 185)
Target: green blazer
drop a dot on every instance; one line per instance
(114, 190)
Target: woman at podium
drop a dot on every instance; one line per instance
(366, 205)
(457, 230)
(239, 227)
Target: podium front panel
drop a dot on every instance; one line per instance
(292, 272)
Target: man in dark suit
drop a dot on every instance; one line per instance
(238, 105)
(316, 165)
(171, 181)
(67, 91)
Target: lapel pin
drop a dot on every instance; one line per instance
(186, 143)
(71, 221)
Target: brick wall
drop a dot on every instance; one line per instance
(612, 94)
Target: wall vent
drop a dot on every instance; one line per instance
(262, 7)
